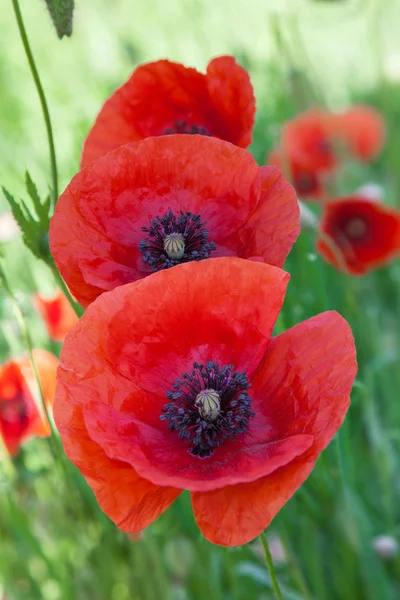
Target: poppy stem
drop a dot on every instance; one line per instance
(78, 309)
(55, 443)
(270, 565)
(42, 97)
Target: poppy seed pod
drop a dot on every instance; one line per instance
(61, 12)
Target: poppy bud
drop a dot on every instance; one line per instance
(174, 245)
(61, 14)
(208, 404)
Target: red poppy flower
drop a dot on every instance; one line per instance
(365, 233)
(20, 415)
(175, 383)
(165, 200)
(306, 181)
(165, 97)
(57, 314)
(315, 138)
(363, 131)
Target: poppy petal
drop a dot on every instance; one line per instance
(274, 226)
(232, 95)
(163, 458)
(364, 131)
(57, 314)
(130, 501)
(162, 96)
(235, 515)
(306, 379)
(177, 317)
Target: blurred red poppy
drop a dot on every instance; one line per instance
(21, 416)
(165, 200)
(57, 314)
(313, 144)
(366, 233)
(175, 383)
(165, 97)
(306, 181)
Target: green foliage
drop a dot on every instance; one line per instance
(61, 12)
(34, 230)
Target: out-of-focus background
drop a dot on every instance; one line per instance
(55, 543)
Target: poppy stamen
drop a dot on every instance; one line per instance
(174, 239)
(208, 406)
(356, 228)
(185, 127)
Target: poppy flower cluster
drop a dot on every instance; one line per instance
(171, 380)
(21, 416)
(314, 143)
(356, 233)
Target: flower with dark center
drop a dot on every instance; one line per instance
(315, 142)
(164, 97)
(167, 200)
(240, 451)
(174, 239)
(20, 417)
(307, 182)
(318, 139)
(365, 233)
(208, 405)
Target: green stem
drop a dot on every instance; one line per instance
(27, 340)
(54, 440)
(78, 309)
(42, 97)
(270, 565)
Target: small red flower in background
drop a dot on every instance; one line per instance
(365, 232)
(174, 382)
(156, 203)
(306, 181)
(20, 416)
(165, 97)
(57, 314)
(313, 142)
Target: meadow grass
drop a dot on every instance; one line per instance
(55, 543)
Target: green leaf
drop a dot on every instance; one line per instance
(40, 208)
(61, 12)
(30, 228)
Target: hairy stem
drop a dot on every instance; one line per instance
(42, 97)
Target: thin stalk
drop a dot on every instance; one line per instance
(270, 565)
(78, 309)
(42, 97)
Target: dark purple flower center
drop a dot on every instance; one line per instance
(175, 239)
(355, 228)
(208, 406)
(14, 415)
(305, 183)
(185, 127)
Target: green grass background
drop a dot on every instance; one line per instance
(55, 543)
